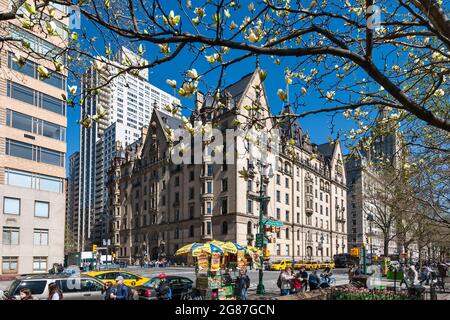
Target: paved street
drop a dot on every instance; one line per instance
(270, 277)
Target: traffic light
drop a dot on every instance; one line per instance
(94, 248)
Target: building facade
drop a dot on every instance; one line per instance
(157, 206)
(128, 100)
(32, 145)
(365, 220)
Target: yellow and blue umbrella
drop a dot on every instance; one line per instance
(187, 248)
(231, 247)
(206, 248)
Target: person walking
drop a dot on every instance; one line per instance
(25, 294)
(107, 290)
(285, 281)
(243, 283)
(54, 292)
(122, 292)
(163, 290)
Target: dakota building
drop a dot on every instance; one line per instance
(156, 206)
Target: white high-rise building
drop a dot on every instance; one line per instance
(129, 100)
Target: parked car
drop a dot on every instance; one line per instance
(74, 287)
(130, 279)
(179, 285)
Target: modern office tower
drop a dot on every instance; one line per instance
(73, 189)
(32, 145)
(129, 100)
(157, 206)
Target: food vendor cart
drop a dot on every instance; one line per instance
(212, 266)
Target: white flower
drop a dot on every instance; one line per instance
(282, 95)
(72, 89)
(43, 72)
(304, 92)
(396, 68)
(330, 95)
(171, 83)
(200, 12)
(192, 73)
(347, 113)
(439, 93)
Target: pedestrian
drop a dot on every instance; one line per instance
(243, 283)
(107, 290)
(285, 281)
(314, 280)
(122, 292)
(25, 294)
(163, 290)
(304, 278)
(442, 269)
(54, 292)
(296, 283)
(351, 273)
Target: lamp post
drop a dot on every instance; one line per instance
(266, 173)
(370, 219)
(321, 246)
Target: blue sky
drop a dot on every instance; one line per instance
(318, 125)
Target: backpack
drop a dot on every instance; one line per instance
(279, 281)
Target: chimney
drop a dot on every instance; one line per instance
(199, 99)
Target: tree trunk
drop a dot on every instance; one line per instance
(386, 246)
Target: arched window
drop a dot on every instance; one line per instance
(191, 231)
(298, 234)
(224, 227)
(249, 227)
(177, 233)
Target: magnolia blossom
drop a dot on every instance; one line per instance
(43, 72)
(330, 95)
(200, 12)
(164, 48)
(439, 93)
(171, 83)
(347, 113)
(192, 73)
(72, 89)
(282, 95)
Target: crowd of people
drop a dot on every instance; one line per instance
(289, 282)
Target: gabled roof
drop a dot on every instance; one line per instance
(168, 120)
(237, 89)
(326, 149)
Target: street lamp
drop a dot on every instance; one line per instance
(370, 219)
(266, 173)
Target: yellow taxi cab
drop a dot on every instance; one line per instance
(281, 265)
(299, 264)
(130, 279)
(311, 265)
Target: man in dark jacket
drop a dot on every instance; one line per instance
(163, 291)
(122, 291)
(243, 283)
(303, 275)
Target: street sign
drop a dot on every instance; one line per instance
(273, 223)
(354, 252)
(260, 240)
